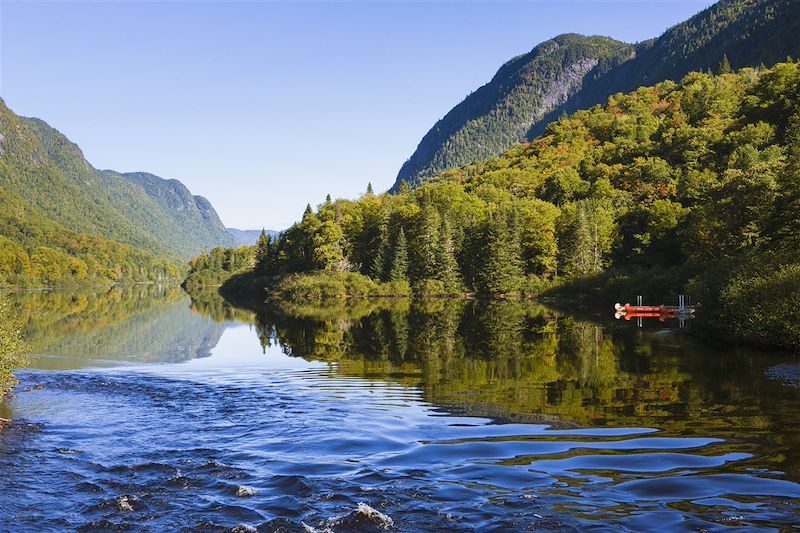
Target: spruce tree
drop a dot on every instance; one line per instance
(369, 189)
(501, 272)
(724, 65)
(378, 267)
(399, 271)
(447, 267)
(262, 252)
(784, 223)
(426, 244)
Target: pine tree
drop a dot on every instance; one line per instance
(784, 224)
(501, 272)
(724, 65)
(308, 211)
(446, 261)
(369, 189)
(399, 271)
(378, 267)
(328, 199)
(426, 244)
(262, 252)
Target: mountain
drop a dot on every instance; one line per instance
(194, 224)
(59, 209)
(500, 113)
(248, 237)
(747, 32)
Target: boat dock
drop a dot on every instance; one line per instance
(684, 309)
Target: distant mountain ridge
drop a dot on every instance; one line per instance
(571, 72)
(248, 237)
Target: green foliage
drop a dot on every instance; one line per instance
(212, 269)
(498, 115)
(692, 178)
(516, 104)
(763, 307)
(325, 285)
(399, 271)
(500, 271)
(65, 222)
(11, 345)
(37, 252)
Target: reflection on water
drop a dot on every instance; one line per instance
(441, 415)
(142, 323)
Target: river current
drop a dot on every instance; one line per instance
(145, 411)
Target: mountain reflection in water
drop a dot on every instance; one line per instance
(432, 415)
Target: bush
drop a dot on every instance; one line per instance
(324, 285)
(11, 345)
(435, 287)
(763, 308)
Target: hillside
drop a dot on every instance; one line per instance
(748, 32)
(500, 113)
(56, 205)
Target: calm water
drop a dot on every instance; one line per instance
(145, 411)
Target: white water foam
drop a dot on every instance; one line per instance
(384, 521)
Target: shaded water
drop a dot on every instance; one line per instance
(146, 412)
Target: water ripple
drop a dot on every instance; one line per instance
(217, 451)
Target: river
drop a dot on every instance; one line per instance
(144, 410)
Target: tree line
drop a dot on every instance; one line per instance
(698, 177)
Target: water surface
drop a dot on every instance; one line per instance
(145, 411)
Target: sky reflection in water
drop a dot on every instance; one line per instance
(442, 417)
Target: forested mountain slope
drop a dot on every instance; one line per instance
(500, 113)
(56, 204)
(747, 32)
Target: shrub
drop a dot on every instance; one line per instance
(324, 285)
(11, 345)
(763, 308)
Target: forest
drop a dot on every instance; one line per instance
(690, 185)
(35, 251)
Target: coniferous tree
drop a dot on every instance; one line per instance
(724, 65)
(369, 189)
(399, 271)
(379, 261)
(447, 267)
(501, 272)
(784, 224)
(426, 244)
(262, 252)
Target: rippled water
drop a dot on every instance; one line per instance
(168, 417)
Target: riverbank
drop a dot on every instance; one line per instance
(12, 346)
(756, 307)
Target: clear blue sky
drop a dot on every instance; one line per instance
(263, 107)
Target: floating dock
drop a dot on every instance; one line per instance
(661, 312)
